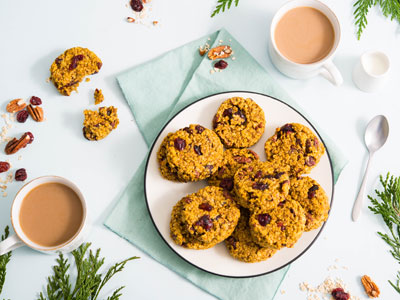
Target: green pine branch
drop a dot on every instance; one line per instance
(388, 207)
(89, 280)
(4, 260)
(390, 9)
(222, 5)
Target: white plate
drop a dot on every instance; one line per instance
(161, 194)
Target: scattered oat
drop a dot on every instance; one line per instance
(324, 289)
(48, 80)
(20, 157)
(233, 58)
(283, 292)
(336, 260)
(4, 194)
(87, 79)
(212, 71)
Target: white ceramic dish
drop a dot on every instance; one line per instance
(161, 194)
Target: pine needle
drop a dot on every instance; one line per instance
(222, 5)
(4, 260)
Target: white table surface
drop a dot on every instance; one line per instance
(33, 33)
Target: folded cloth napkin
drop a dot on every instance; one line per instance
(157, 90)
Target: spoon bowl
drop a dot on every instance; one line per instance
(375, 137)
(376, 133)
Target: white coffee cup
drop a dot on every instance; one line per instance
(20, 238)
(325, 66)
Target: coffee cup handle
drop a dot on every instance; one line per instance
(10, 243)
(331, 72)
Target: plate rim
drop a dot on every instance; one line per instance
(151, 149)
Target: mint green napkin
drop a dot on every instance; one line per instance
(157, 90)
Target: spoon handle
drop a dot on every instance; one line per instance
(359, 201)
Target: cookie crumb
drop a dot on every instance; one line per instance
(87, 79)
(155, 23)
(98, 96)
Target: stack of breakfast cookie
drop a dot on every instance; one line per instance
(256, 207)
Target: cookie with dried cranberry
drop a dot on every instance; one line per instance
(71, 67)
(178, 231)
(239, 122)
(294, 145)
(233, 159)
(194, 152)
(312, 198)
(261, 185)
(166, 170)
(279, 227)
(210, 215)
(204, 219)
(97, 125)
(241, 245)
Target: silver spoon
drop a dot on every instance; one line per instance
(376, 134)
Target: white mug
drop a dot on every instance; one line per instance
(325, 66)
(20, 239)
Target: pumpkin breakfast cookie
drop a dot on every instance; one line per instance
(294, 145)
(233, 159)
(241, 245)
(205, 218)
(71, 67)
(97, 125)
(194, 152)
(239, 122)
(261, 185)
(167, 171)
(312, 198)
(279, 227)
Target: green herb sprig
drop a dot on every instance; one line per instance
(389, 208)
(89, 282)
(222, 5)
(390, 9)
(4, 260)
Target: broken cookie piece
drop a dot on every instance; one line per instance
(97, 125)
(98, 96)
(71, 67)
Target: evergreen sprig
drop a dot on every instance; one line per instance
(222, 5)
(388, 206)
(4, 260)
(89, 281)
(390, 9)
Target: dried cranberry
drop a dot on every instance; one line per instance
(74, 61)
(258, 174)
(340, 294)
(278, 175)
(282, 203)
(227, 113)
(20, 175)
(35, 100)
(22, 116)
(288, 128)
(264, 219)
(30, 136)
(137, 5)
(73, 65)
(99, 65)
(280, 224)
(310, 161)
(197, 149)
(241, 115)
(231, 241)
(188, 130)
(308, 146)
(4, 166)
(311, 191)
(215, 122)
(260, 186)
(78, 57)
(187, 200)
(221, 64)
(205, 206)
(179, 144)
(205, 222)
(199, 128)
(58, 60)
(227, 184)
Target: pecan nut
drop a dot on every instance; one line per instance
(242, 159)
(220, 52)
(370, 287)
(35, 112)
(15, 105)
(15, 145)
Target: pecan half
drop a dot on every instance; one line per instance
(219, 52)
(370, 287)
(35, 112)
(15, 105)
(14, 145)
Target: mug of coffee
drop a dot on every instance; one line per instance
(48, 214)
(304, 37)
